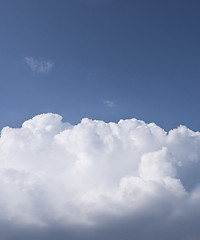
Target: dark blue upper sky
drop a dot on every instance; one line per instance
(143, 56)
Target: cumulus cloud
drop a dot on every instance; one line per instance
(39, 66)
(97, 180)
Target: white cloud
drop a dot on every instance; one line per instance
(95, 173)
(39, 66)
(109, 103)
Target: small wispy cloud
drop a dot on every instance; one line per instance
(36, 66)
(109, 103)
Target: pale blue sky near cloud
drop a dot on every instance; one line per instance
(142, 55)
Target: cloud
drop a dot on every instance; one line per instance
(97, 180)
(109, 103)
(39, 66)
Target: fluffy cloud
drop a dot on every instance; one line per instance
(39, 66)
(125, 180)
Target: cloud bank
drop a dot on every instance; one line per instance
(39, 66)
(97, 180)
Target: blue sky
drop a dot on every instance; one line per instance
(140, 56)
(106, 60)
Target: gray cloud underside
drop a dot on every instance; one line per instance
(97, 180)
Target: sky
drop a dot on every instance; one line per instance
(99, 119)
(142, 57)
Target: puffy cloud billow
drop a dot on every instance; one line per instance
(97, 180)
